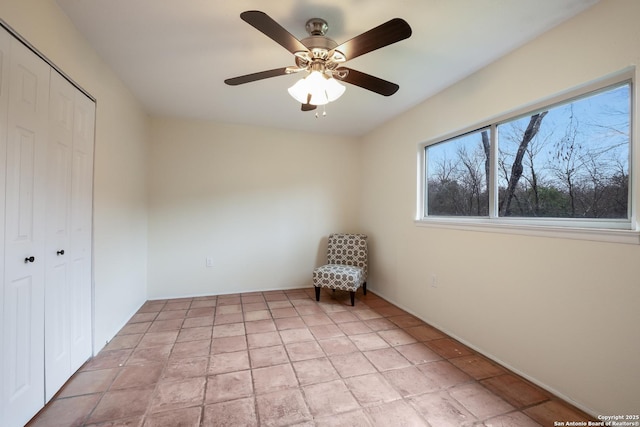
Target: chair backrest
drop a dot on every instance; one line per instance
(348, 249)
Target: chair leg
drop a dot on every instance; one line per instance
(364, 287)
(317, 293)
(353, 298)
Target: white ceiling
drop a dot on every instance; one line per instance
(174, 55)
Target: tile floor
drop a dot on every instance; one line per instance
(282, 359)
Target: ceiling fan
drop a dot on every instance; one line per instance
(323, 59)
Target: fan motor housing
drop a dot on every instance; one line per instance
(319, 42)
(317, 27)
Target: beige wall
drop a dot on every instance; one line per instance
(120, 218)
(258, 201)
(564, 313)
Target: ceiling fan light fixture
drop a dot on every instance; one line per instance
(316, 89)
(299, 91)
(334, 89)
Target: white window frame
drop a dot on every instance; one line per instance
(607, 230)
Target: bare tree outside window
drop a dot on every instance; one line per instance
(571, 161)
(568, 161)
(457, 176)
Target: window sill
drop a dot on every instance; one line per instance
(631, 237)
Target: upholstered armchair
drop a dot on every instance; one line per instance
(346, 267)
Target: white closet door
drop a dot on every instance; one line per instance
(5, 48)
(58, 294)
(81, 230)
(23, 317)
(68, 246)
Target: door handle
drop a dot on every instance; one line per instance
(61, 252)
(29, 259)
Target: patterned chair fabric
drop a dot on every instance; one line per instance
(346, 267)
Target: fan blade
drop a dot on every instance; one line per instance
(383, 35)
(270, 28)
(369, 82)
(308, 106)
(256, 76)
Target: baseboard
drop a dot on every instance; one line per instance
(97, 350)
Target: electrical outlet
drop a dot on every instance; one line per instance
(434, 281)
(209, 262)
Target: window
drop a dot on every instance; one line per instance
(566, 164)
(457, 175)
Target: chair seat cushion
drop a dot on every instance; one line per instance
(336, 276)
